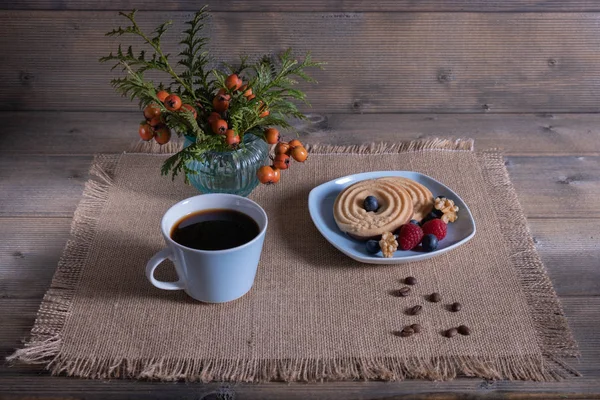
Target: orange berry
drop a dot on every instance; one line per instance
(151, 111)
(221, 102)
(299, 153)
(223, 95)
(154, 122)
(145, 131)
(282, 148)
(248, 92)
(294, 143)
(231, 138)
(233, 82)
(219, 126)
(271, 135)
(264, 113)
(163, 135)
(266, 174)
(162, 95)
(277, 174)
(251, 97)
(213, 117)
(173, 102)
(187, 107)
(281, 161)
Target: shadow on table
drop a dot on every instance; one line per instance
(300, 236)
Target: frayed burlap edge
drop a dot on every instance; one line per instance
(553, 334)
(174, 146)
(45, 343)
(390, 148)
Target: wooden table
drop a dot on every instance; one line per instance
(521, 75)
(42, 177)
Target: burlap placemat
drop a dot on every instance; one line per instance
(313, 313)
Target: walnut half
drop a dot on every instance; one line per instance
(388, 244)
(448, 208)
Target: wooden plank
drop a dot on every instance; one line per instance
(378, 62)
(31, 248)
(314, 5)
(51, 186)
(570, 253)
(583, 314)
(558, 187)
(41, 185)
(548, 187)
(517, 134)
(29, 252)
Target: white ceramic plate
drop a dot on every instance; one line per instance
(320, 206)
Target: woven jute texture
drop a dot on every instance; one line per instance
(313, 313)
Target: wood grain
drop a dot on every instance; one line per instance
(548, 186)
(313, 5)
(571, 253)
(41, 185)
(583, 314)
(378, 62)
(31, 248)
(517, 134)
(29, 252)
(559, 187)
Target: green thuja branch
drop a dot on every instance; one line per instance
(159, 60)
(195, 59)
(267, 99)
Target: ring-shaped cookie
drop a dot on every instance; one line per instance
(395, 209)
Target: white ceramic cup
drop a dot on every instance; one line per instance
(211, 276)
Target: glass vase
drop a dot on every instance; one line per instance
(232, 171)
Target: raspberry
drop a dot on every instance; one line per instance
(436, 227)
(409, 237)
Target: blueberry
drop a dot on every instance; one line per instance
(373, 246)
(429, 243)
(432, 215)
(371, 203)
(414, 222)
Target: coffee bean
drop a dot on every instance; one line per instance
(407, 331)
(435, 297)
(416, 310)
(411, 280)
(455, 307)
(464, 330)
(451, 332)
(403, 292)
(416, 328)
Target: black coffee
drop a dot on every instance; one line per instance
(215, 229)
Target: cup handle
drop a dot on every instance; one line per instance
(159, 257)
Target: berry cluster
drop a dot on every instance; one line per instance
(217, 120)
(284, 152)
(155, 127)
(427, 234)
(239, 99)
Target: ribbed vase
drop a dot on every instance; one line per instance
(229, 171)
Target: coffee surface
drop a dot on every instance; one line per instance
(215, 229)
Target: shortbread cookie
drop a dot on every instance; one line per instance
(395, 208)
(422, 198)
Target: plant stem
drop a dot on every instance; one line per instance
(158, 50)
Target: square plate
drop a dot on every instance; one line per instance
(320, 206)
